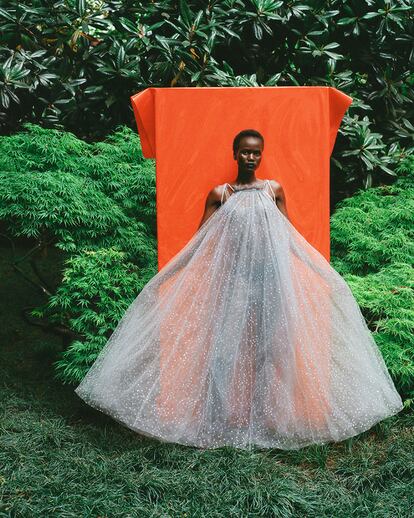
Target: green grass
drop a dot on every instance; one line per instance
(59, 457)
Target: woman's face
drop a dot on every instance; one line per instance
(249, 154)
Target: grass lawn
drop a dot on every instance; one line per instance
(59, 457)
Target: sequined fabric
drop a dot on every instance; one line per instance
(247, 337)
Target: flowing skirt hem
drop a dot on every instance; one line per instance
(289, 444)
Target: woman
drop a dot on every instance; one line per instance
(247, 337)
(247, 151)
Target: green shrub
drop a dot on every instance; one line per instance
(372, 238)
(75, 66)
(96, 289)
(93, 203)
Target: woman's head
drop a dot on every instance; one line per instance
(248, 147)
(246, 133)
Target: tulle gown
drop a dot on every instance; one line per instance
(247, 337)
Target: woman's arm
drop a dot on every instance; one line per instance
(212, 203)
(280, 197)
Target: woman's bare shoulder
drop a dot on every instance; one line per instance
(215, 193)
(275, 184)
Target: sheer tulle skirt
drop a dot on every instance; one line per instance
(246, 337)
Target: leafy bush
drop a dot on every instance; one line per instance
(75, 66)
(372, 237)
(96, 205)
(96, 289)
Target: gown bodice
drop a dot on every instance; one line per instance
(264, 187)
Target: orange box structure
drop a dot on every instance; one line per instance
(189, 131)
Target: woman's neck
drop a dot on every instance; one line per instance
(245, 178)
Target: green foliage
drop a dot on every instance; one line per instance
(71, 188)
(372, 237)
(96, 289)
(75, 195)
(59, 458)
(369, 151)
(76, 65)
(374, 228)
(96, 204)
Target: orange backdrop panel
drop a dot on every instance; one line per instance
(190, 133)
